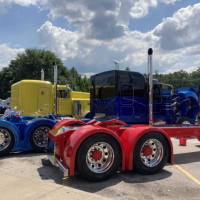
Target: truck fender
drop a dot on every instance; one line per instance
(35, 124)
(80, 135)
(193, 111)
(131, 136)
(67, 122)
(10, 126)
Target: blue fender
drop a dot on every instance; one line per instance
(10, 126)
(194, 109)
(33, 125)
(28, 117)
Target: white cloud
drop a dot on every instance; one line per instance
(7, 54)
(180, 30)
(88, 74)
(197, 63)
(140, 8)
(94, 55)
(23, 2)
(4, 4)
(62, 42)
(102, 20)
(96, 19)
(169, 1)
(191, 69)
(102, 35)
(131, 48)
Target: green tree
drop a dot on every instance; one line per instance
(127, 69)
(28, 65)
(6, 81)
(77, 82)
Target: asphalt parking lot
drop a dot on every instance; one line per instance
(34, 171)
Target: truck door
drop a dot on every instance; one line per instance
(126, 101)
(64, 102)
(44, 101)
(126, 97)
(132, 103)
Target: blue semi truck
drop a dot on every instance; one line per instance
(125, 94)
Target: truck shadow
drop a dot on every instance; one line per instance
(190, 157)
(21, 154)
(128, 177)
(48, 171)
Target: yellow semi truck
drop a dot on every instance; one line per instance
(37, 97)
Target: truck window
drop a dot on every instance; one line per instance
(63, 94)
(105, 85)
(157, 91)
(138, 84)
(166, 89)
(134, 79)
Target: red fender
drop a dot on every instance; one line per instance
(131, 136)
(198, 138)
(67, 122)
(77, 137)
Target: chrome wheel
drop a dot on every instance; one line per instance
(186, 123)
(151, 153)
(5, 139)
(40, 136)
(100, 157)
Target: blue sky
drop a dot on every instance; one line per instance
(90, 35)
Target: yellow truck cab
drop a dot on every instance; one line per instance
(36, 97)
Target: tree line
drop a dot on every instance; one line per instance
(28, 65)
(180, 79)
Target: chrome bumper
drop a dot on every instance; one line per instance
(54, 161)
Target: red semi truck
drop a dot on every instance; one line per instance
(102, 146)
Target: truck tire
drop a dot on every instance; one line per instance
(184, 120)
(7, 141)
(39, 138)
(86, 115)
(98, 157)
(151, 153)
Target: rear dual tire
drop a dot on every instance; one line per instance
(7, 141)
(98, 157)
(151, 153)
(39, 138)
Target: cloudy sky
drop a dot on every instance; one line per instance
(91, 34)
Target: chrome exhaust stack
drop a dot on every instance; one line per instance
(42, 74)
(150, 52)
(116, 64)
(55, 87)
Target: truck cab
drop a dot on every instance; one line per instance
(36, 98)
(126, 95)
